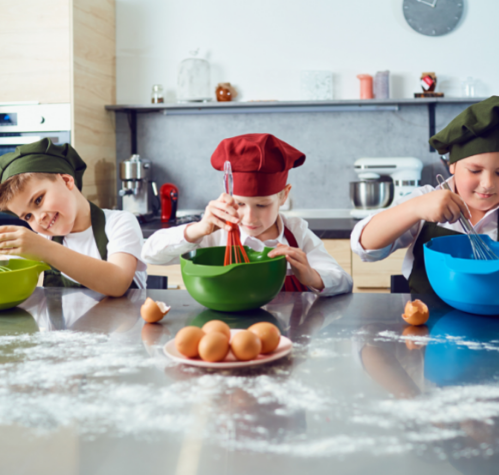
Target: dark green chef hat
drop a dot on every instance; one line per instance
(43, 157)
(474, 131)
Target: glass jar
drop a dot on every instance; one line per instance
(193, 80)
(157, 94)
(468, 87)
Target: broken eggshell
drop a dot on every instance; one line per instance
(152, 311)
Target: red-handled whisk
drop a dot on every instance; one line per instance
(234, 252)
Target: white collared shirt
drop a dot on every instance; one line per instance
(166, 245)
(487, 225)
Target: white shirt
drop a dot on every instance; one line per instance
(166, 245)
(487, 225)
(124, 235)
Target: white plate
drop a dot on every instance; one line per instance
(230, 361)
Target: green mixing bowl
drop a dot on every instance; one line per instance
(18, 284)
(236, 287)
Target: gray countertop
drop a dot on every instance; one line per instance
(86, 388)
(325, 228)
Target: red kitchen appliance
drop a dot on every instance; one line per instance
(168, 194)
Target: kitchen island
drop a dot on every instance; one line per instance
(85, 388)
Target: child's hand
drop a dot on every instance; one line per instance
(440, 206)
(21, 241)
(300, 265)
(216, 216)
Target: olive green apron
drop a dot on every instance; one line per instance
(418, 280)
(54, 278)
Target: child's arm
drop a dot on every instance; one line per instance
(166, 245)
(112, 277)
(439, 206)
(312, 265)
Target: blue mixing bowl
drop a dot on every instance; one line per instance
(459, 280)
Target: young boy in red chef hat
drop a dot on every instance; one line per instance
(260, 165)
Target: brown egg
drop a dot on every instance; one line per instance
(217, 326)
(187, 341)
(413, 331)
(213, 347)
(269, 335)
(152, 311)
(245, 345)
(416, 313)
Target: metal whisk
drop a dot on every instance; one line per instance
(481, 251)
(234, 252)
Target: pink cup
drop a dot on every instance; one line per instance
(366, 86)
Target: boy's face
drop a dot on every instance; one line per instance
(477, 180)
(258, 214)
(48, 206)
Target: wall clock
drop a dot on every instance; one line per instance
(433, 17)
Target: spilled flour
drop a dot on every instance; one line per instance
(108, 388)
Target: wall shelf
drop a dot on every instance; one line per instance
(268, 107)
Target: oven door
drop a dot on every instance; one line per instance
(10, 140)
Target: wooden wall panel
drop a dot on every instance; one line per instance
(35, 52)
(340, 250)
(94, 86)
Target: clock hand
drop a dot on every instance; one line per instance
(432, 5)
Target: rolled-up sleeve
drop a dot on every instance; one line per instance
(166, 245)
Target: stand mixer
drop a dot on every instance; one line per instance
(134, 174)
(371, 193)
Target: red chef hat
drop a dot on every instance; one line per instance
(260, 163)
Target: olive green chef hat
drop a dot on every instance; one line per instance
(43, 157)
(474, 131)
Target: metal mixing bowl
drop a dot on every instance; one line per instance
(371, 194)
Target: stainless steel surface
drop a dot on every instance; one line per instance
(371, 194)
(134, 168)
(86, 389)
(480, 249)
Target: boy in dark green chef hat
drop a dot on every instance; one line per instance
(472, 142)
(85, 245)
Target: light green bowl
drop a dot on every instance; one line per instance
(18, 284)
(236, 287)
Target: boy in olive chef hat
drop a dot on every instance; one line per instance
(260, 165)
(472, 142)
(85, 245)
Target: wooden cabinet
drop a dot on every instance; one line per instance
(367, 276)
(60, 51)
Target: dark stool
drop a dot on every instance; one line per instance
(399, 285)
(157, 282)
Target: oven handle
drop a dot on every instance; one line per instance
(19, 140)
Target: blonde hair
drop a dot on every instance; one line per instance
(17, 183)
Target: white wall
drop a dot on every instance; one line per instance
(261, 46)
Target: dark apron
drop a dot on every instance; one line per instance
(292, 284)
(54, 278)
(418, 280)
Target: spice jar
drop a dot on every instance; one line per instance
(225, 92)
(157, 94)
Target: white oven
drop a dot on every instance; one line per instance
(26, 123)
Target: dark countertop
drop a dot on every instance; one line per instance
(325, 228)
(86, 388)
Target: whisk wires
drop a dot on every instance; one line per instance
(481, 251)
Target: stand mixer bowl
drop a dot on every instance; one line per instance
(371, 194)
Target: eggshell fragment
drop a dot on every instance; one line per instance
(245, 345)
(269, 335)
(213, 347)
(187, 341)
(416, 313)
(217, 326)
(152, 311)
